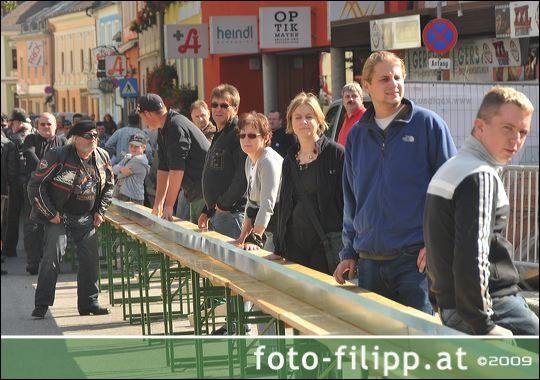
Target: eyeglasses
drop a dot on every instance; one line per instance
(223, 106)
(43, 124)
(250, 136)
(89, 135)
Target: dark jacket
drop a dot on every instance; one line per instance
(469, 259)
(329, 196)
(282, 141)
(224, 181)
(50, 186)
(34, 148)
(10, 164)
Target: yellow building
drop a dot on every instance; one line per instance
(74, 35)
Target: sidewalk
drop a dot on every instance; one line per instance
(18, 288)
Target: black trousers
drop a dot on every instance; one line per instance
(33, 235)
(304, 247)
(15, 206)
(82, 232)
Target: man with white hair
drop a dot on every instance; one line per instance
(34, 148)
(351, 95)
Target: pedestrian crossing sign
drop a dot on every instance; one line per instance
(129, 88)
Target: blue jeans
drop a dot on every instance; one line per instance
(227, 223)
(397, 279)
(510, 312)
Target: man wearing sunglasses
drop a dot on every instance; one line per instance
(224, 180)
(34, 148)
(70, 191)
(181, 153)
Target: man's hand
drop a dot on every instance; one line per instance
(157, 210)
(251, 247)
(98, 219)
(167, 213)
(203, 222)
(126, 171)
(348, 265)
(56, 219)
(421, 261)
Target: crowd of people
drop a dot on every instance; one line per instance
(386, 204)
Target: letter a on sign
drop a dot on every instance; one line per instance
(116, 66)
(186, 41)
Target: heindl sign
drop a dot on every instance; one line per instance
(233, 35)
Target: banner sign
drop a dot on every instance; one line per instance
(502, 21)
(343, 10)
(186, 41)
(395, 33)
(35, 53)
(285, 27)
(524, 19)
(233, 35)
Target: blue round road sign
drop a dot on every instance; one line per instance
(440, 36)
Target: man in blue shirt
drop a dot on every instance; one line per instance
(389, 162)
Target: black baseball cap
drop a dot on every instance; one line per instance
(150, 102)
(137, 139)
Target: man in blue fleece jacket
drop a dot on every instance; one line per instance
(389, 162)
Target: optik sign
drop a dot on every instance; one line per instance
(285, 27)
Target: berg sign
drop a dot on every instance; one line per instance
(285, 27)
(233, 34)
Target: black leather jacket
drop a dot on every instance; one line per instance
(10, 164)
(50, 186)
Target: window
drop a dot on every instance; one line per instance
(71, 59)
(29, 109)
(63, 66)
(14, 58)
(73, 104)
(82, 60)
(64, 105)
(38, 108)
(90, 58)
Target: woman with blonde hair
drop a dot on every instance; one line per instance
(310, 212)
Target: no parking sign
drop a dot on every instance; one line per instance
(440, 36)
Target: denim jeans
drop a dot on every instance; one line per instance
(397, 279)
(510, 312)
(227, 223)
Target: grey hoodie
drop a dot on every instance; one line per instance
(131, 186)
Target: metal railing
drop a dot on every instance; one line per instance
(521, 185)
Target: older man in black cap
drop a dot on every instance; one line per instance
(70, 192)
(182, 151)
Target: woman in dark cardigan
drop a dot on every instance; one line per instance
(311, 188)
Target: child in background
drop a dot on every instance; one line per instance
(131, 171)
